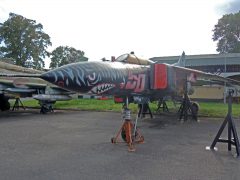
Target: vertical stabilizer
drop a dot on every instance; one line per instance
(182, 61)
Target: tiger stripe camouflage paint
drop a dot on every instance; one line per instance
(100, 78)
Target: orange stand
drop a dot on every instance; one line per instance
(126, 131)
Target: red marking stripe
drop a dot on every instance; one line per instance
(160, 76)
(118, 99)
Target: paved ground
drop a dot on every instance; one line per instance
(76, 145)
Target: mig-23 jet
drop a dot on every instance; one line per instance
(128, 77)
(13, 87)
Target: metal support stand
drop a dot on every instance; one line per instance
(18, 103)
(144, 109)
(162, 105)
(231, 130)
(129, 131)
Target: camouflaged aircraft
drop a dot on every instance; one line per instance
(16, 87)
(137, 79)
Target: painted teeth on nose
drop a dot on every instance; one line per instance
(102, 88)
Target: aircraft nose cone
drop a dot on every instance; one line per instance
(64, 77)
(84, 77)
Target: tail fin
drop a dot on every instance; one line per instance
(182, 61)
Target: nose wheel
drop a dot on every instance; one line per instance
(137, 136)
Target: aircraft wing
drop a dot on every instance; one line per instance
(16, 81)
(23, 82)
(7, 68)
(193, 76)
(10, 82)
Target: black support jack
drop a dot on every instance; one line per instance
(231, 130)
(162, 105)
(144, 109)
(18, 103)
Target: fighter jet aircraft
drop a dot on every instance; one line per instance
(128, 76)
(13, 87)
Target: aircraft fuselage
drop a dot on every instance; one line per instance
(112, 78)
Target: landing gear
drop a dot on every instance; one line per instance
(4, 104)
(124, 135)
(46, 106)
(187, 107)
(129, 131)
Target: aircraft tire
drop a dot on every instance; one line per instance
(43, 110)
(4, 104)
(7, 106)
(123, 135)
(195, 109)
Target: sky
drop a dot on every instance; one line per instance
(105, 28)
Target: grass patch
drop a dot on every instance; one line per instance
(208, 109)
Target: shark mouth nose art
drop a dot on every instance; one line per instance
(101, 88)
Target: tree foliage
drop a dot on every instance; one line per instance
(227, 33)
(24, 40)
(65, 55)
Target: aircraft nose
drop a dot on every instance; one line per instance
(65, 76)
(81, 77)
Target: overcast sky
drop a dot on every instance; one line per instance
(105, 28)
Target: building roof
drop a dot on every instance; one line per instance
(203, 60)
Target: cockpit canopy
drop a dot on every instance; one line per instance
(133, 59)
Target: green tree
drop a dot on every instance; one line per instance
(227, 33)
(24, 40)
(65, 55)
